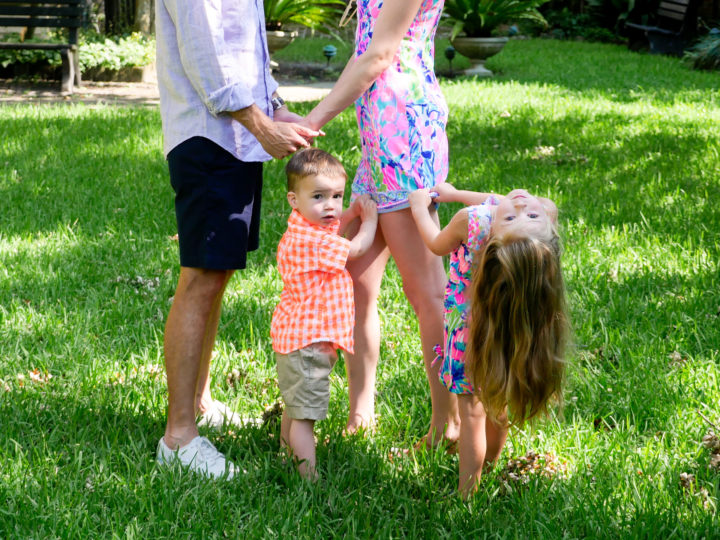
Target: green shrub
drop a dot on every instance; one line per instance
(117, 52)
(33, 56)
(706, 54)
(95, 51)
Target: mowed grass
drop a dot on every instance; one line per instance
(627, 145)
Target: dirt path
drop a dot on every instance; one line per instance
(141, 94)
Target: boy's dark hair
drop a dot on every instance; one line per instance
(311, 162)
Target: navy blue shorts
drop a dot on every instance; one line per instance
(217, 205)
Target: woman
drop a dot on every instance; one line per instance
(402, 116)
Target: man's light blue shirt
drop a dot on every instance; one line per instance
(212, 58)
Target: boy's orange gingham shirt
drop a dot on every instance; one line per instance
(317, 301)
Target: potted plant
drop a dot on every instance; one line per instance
(314, 14)
(478, 20)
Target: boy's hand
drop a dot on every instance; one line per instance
(445, 192)
(367, 209)
(420, 198)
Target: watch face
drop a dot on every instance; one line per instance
(277, 102)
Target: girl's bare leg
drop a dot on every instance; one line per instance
(496, 435)
(472, 446)
(367, 273)
(424, 280)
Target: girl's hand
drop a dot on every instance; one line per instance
(445, 192)
(420, 199)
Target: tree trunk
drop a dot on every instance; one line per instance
(144, 16)
(119, 16)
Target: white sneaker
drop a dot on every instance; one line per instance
(220, 415)
(198, 455)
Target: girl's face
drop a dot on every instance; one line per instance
(318, 198)
(519, 211)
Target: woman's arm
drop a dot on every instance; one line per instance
(439, 241)
(360, 72)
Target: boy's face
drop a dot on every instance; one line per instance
(318, 198)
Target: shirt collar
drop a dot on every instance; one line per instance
(296, 219)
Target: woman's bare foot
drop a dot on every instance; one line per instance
(358, 423)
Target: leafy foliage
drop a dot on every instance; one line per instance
(706, 54)
(30, 56)
(314, 14)
(94, 50)
(118, 52)
(478, 18)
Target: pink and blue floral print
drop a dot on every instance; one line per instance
(451, 357)
(402, 116)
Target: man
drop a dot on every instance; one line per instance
(222, 118)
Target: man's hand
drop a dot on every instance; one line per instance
(279, 139)
(284, 138)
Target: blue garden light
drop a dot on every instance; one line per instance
(328, 52)
(450, 54)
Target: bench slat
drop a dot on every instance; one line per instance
(56, 3)
(671, 14)
(42, 10)
(33, 46)
(40, 22)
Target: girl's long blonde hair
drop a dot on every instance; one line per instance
(518, 325)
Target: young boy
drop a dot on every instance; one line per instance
(316, 313)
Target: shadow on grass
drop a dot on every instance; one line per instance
(626, 75)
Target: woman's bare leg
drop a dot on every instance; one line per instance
(367, 273)
(424, 280)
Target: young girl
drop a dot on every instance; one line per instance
(505, 321)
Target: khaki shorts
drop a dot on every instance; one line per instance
(304, 380)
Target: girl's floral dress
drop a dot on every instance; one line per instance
(402, 116)
(451, 357)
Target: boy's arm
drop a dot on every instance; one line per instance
(439, 241)
(448, 193)
(361, 242)
(349, 215)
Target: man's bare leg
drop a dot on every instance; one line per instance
(203, 397)
(190, 324)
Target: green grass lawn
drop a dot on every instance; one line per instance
(628, 146)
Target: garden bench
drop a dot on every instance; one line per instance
(68, 14)
(676, 23)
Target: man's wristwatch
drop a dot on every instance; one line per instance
(277, 102)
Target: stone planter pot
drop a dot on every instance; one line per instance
(127, 74)
(279, 39)
(477, 50)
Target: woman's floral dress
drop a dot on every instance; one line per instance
(457, 306)
(402, 116)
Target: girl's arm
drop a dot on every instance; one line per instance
(448, 193)
(439, 241)
(360, 72)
